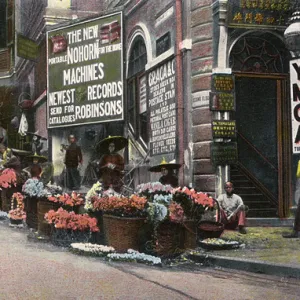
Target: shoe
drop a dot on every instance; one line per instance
(293, 235)
(242, 230)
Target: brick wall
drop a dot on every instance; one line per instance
(201, 67)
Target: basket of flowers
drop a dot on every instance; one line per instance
(17, 214)
(211, 229)
(194, 205)
(68, 227)
(8, 182)
(69, 202)
(122, 219)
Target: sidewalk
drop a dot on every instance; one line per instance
(262, 250)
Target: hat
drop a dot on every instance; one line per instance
(119, 141)
(39, 157)
(37, 135)
(14, 162)
(166, 165)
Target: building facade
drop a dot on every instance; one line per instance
(205, 83)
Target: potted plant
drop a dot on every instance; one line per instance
(8, 182)
(122, 219)
(69, 227)
(17, 214)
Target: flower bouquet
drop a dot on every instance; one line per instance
(68, 227)
(150, 189)
(8, 178)
(95, 191)
(17, 213)
(33, 187)
(66, 200)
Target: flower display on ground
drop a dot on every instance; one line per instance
(133, 206)
(17, 213)
(8, 178)
(33, 187)
(135, 256)
(91, 249)
(73, 199)
(62, 219)
(95, 191)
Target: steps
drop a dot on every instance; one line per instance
(259, 205)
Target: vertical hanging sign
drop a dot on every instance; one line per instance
(295, 103)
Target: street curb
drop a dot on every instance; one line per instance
(254, 266)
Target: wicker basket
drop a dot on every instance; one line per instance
(190, 234)
(43, 207)
(65, 237)
(122, 233)
(169, 239)
(211, 229)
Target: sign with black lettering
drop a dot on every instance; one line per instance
(224, 153)
(85, 72)
(222, 96)
(162, 109)
(295, 103)
(223, 129)
(163, 44)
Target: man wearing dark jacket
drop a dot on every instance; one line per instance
(72, 160)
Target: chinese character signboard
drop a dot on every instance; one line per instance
(224, 153)
(222, 97)
(162, 109)
(258, 13)
(85, 72)
(295, 103)
(223, 129)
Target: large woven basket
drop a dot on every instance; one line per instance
(169, 239)
(43, 207)
(122, 233)
(190, 234)
(211, 229)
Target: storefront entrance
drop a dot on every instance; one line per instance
(262, 174)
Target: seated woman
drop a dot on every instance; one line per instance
(111, 163)
(167, 172)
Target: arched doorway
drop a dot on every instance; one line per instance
(263, 173)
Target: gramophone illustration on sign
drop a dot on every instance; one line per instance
(59, 44)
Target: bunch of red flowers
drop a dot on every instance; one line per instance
(133, 206)
(63, 219)
(8, 178)
(65, 199)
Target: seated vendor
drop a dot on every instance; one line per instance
(167, 172)
(232, 209)
(111, 163)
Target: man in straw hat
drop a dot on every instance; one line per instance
(167, 172)
(35, 163)
(112, 163)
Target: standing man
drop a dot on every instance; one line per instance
(232, 209)
(73, 159)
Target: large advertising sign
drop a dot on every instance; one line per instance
(295, 103)
(162, 109)
(85, 72)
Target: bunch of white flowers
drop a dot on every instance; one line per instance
(91, 249)
(133, 255)
(95, 190)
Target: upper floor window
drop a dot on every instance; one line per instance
(137, 106)
(3, 24)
